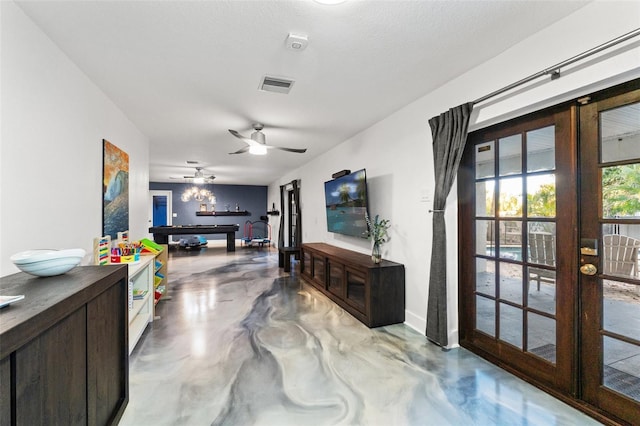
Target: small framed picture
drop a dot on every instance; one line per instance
(203, 207)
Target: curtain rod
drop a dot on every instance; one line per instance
(555, 70)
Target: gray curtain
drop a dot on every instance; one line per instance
(449, 132)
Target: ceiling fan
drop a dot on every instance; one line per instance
(256, 144)
(199, 176)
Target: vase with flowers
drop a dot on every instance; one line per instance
(378, 233)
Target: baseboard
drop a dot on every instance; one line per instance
(415, 322)
(454, 341)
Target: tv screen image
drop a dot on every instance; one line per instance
(346, 204)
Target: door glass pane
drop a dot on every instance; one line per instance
(621, 369)
(541, 336)
(621, 309)
(511, 325)
(620, 189)
(486, 315)
(511, 282)
(511, 240)
(541, 195)
(485, 194)
(541, 151)
(621, 250)
(541, 242)
(486, 276)
(510, 197)
(485, 160)
(541, 289)
(510, 155)
(620, 133)
(485, 237)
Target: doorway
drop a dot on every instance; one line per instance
(549, 284)
(290, 232)
(160, 208)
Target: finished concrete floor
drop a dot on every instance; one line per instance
(243, 343)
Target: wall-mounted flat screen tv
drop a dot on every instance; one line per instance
(346, 203)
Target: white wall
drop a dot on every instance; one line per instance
(53, 121)
(397, 151)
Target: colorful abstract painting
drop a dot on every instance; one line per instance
(115, 190)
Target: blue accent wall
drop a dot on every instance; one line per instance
(248, 197)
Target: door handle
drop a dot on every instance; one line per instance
(588, 269)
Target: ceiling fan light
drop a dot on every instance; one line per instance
(257, 150)
(198, 180)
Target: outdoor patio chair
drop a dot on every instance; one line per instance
(542, 251)
(620, 255)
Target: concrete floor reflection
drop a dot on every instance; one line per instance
(243, 343)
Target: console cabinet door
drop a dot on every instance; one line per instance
(51, 374)
(107, 354)
(306, 263)
(5, 392)
(336, 279)
(319, 272)
(356, 289)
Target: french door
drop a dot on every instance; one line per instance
(549, 219)
(609, 246)
(518, 277)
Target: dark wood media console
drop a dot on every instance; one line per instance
(373, 293)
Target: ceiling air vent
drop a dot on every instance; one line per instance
(276, 84)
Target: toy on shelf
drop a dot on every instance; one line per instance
(124, 251)
(101, 247)
(149, 246)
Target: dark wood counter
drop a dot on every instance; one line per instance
(64, 347)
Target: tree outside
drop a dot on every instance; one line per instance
(621, 191)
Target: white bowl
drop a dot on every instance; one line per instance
(47, 263)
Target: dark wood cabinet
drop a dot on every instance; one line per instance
(63, 349)
(373, 293)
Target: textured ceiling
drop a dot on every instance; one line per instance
(185, 72)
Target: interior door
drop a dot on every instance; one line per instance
(160, 211)
(518, 201)
(609, 245)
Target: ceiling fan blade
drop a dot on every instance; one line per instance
(241, 150)
(239, 136)
(296, 150)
